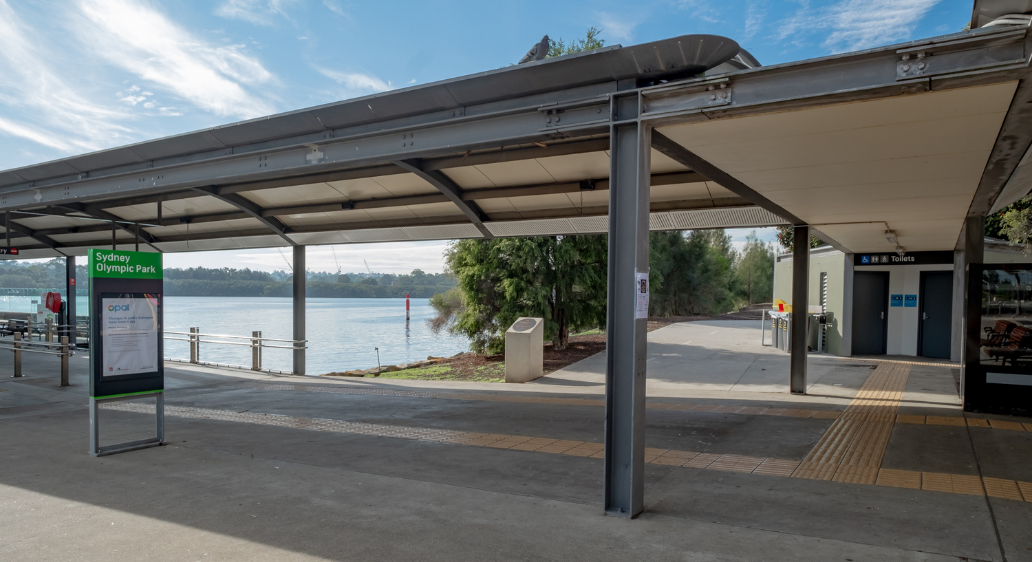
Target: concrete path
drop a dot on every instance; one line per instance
(263, 467)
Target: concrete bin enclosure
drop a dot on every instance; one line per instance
(524, 350)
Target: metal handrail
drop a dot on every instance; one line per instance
(256, 342)
(18, 347)
(235, 337)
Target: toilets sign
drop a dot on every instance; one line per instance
(908, 258)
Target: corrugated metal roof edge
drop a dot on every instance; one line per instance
(591, 67)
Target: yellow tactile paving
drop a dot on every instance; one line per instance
(945, 420)
(852, 448)
(1000, 424)
(951, 483)
(899, 478)
(776, 467)
(976, 422)
(998, 488)
(735, 463)
(873, 414)
(954, 483)
(1026, 490)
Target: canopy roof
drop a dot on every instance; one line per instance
(910, 138)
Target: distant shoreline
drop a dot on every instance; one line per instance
(317, 289)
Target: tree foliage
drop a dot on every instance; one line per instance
(786, 237)
(1013, 223)
(591, 40)
(563, 280)
(559, 278)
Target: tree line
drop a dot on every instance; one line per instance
(230, 282)
(563, 279)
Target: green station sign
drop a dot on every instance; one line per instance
(125, 265)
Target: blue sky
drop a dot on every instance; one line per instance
(83, 75)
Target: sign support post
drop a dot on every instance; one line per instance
(126, 347)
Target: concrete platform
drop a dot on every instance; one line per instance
(262, 467)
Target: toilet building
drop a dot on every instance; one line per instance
(884, 303)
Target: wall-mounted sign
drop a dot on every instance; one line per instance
(641, 292)
(910, 301)
(896, 300)
(908, 258)
(8, 251)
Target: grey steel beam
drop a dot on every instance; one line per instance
(630, 155)
(451, 190)
(685, 157)
(299, 309)
(70, 291)
(800, 305)
(95, 212)
(498, 128)
(252, 209)
(954, 61)
(1007, 176)
(973, 234)
(30, 233)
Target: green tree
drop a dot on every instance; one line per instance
(559, 278)
(1015, 223)
(591, 40)
(754, 271)
(691, 273)
(786, 237)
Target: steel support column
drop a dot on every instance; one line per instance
(800, 304)
(630, 150)
(70, 292)
(299, 309)
(973, 238)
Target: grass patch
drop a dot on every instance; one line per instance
(493, 372)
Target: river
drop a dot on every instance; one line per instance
(342, 333)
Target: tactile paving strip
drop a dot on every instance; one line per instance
(852, 448)
(738, 409)
(951, 483)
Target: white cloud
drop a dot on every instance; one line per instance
(619, 28)
(141, 40)
(42, 107)
(859, 24)
(355, 83)
(701, 10)
(258, 12)
(335, 7)
(754, 15)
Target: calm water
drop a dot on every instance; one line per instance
(342, 333)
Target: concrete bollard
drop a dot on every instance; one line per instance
(194, 345)
(64, 360)
(524, 350)
(17, 354)
(256, 351)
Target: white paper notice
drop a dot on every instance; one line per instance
(641, 291)
(130, 334)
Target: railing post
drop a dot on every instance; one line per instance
(193, 345)
(64, 360)
(28, 326)
(17, 354)
(50, 330)
(255, 361)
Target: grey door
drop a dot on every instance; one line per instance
(936, 314)
(870, 312)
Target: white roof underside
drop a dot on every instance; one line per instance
(910, 164)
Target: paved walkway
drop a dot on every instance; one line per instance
(876, 463)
